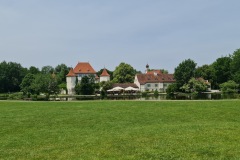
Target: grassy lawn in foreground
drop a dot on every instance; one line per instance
(120, 130)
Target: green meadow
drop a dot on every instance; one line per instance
(120, 130)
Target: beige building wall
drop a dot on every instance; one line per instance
(71, 82)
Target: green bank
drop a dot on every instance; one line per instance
(120, 130)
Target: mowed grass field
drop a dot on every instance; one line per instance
(120, 130)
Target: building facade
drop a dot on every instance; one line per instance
(153, 80)
(83, 69)
(104, 76)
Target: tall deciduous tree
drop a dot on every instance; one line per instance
(222, 69)
(40, 83)
(61, 71)
(34, 70)
(184, 72)
(235, 66)
(206, 72)
(47, 70)
(11, 75)
(45, 83)
(195, 86)
(86, 86)
(124, 73)
(26, 84)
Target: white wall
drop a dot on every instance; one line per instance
(71, 82)
(104, 78)
(137, 82)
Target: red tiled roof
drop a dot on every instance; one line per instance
(104, 73)
(125, 85)
(71, 73)
(84, 67)
(154, 71)
(151, 78)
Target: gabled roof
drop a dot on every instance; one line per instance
(84, 68)
(104, 73)
(154, 72)
(151, 78)
(71, 73)
(125, 85)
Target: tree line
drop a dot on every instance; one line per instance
(223, 73)
(50, 80)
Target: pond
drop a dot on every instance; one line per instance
(202, 96)
(180, 96)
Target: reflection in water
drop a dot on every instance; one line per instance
(202, 96)
(180, 96)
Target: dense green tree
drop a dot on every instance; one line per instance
(77, 89)
(235, 66)
(40, 83)
(45, 83)
(86, 86)
(222, 70)
(53, 87)
(63, 86)
(104, 86)
(206, 72)
(229, 87)
(184, 72)
(61, 71)
(195, 86)
(11, 75)
(171, 89)
(34, 70)
(156, 93)
(124, 73)
(47, 70)
(26, 84)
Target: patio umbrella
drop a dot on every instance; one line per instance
(131, 89)
(117, 88)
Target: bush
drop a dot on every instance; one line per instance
(172, 88)
(229, 87)
(4, 96)
(145, 94)
(16, 96)
(156, 93)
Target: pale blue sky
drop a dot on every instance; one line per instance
(106, 32)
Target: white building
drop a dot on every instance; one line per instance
(104, 76)
(83, 69)
(153, 80)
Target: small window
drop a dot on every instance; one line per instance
(149, 85)
(156, 85)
